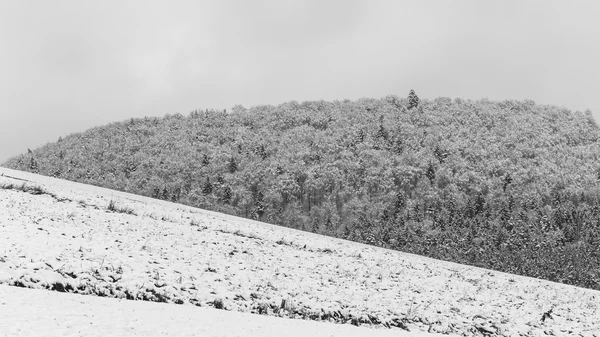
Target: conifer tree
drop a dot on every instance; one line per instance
(232, 165)
(413, 100)
(507, 181)
(399, 203)
(382, 132)
(361, 136)
(430, 173)
(259, 204)
(226, 197)
(207, 187)
(398, 146)
(33, 165)
(440, 154)
(262, 152)
(205, 160)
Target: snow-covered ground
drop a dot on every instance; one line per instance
(196, 261)
(31, 312)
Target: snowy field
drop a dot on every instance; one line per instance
(219, 275)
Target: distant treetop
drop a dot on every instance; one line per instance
(413, 100)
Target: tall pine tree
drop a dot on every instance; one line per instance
(413, 100)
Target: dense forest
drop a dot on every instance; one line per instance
(511, 186)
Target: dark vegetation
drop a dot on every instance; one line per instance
(113, 207)
(511, 185)
(31, 189)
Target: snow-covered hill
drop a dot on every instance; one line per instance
(77, 238)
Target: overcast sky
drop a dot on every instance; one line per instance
(66, 66)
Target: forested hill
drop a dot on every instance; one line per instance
(506, 185)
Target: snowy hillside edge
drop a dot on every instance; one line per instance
(70, 237)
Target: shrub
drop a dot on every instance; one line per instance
(113, 207)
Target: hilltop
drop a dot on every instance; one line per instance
(511, 185)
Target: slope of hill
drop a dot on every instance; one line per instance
(511, 186)
(69, 237)
(40, 313)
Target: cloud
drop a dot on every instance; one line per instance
(275, 24)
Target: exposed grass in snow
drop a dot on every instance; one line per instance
(31, 312)
(113, 207)
(239, 233)
(24, 187)
(29, 188)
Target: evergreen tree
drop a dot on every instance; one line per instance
(232, 165)
(398, 146)
(205, 160)
(207, 188)
(361, 136)
(440, 155)
(259, 204)
(176, 194)
(413, 100)
(399, 203)
(430, 173)
(33, 165)
(262, 152)
(382, 133)
(507, 181)
(226, 197)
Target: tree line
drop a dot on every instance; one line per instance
(509, 185)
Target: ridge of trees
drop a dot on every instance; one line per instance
(510, 185)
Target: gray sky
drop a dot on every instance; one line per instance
(66, 66)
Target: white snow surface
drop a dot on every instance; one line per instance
(260, 275)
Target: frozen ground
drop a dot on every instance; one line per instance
(68, 240)
(31, 312)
